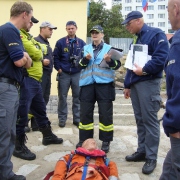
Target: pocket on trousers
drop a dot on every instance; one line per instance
(4, 88)
(156, 101)
(2, 119)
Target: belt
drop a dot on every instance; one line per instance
(9, 81)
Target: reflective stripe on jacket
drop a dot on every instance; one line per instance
(93, 72)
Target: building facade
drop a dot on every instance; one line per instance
(58, 12)
(155, 16)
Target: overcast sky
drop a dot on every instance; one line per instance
(108, 3)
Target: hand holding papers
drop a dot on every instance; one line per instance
(138, 54)
(115, 54)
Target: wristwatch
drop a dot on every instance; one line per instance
(144, 72)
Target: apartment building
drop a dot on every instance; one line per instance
(155, 16)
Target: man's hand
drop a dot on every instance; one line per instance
(127, 93)
(60, 71)
(138, 70)
(46, 62)
(28, 60)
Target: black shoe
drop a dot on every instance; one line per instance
(27, 129)
(62, 124)
(17, 177)
(79, 144)
(136, 157)
(76, 124)
(105, 146)
(53, 139)
(49, 137)
(149, 166)
(24, 153)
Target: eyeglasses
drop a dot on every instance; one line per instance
(94, 32)
(129, 23)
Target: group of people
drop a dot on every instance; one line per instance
(26, 64)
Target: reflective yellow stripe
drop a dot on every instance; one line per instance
(106, 128)
(80, 63)
(86, 127)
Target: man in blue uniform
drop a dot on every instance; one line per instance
(12, 60)
(65, 53)
(171, 118)
(142, 84)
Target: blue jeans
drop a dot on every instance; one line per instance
(31, 98)
(9, 101)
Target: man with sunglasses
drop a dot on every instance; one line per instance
(97, 85)
(142, 84)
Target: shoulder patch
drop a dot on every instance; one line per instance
(171, 62)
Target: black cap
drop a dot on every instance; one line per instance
(97, 28)
(71, 23)
(132, 15)
(34, 20)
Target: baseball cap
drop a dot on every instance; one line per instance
(97, 28)
(132, 15)
(47, 24)
(71, 23)
(34, 20)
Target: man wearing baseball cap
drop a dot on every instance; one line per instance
(142, 84)
(46, 31)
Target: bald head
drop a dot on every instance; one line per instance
(174, 13)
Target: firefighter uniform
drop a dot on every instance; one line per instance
(96, 85)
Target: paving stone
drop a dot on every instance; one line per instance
(27, 169)
(128, 176)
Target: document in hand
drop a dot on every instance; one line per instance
(138, 54)
(115, 55)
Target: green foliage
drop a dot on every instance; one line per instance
(110, 20)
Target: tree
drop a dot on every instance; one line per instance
(110, 20)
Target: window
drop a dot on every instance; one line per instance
(150, 16)
(150, 8)
(150, 24)
(161, 24)
(139, 1)
(128, 1)
(161, 7)
(138, 8)
(161, 16)
(128, 8)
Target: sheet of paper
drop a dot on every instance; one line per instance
(138, 54)
(115, 55)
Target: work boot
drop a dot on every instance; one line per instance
(49, 137)
(17, 177)
(136, 157)
(149, 166)
(105, 146)
(21, 150)
(34, 124)
(79, 144)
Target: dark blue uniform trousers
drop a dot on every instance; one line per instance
(31, 98)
